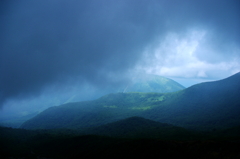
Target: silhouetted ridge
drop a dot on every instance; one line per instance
(138, 127)
(134, 122)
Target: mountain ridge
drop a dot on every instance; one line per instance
(205, 106)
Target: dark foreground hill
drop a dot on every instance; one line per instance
(205, 106)
(138, 127)
(42, 144)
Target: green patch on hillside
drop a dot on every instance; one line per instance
(110, 106)
(141, 108)
(156, 99)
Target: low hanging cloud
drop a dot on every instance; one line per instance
(187, 57)
(59, 42)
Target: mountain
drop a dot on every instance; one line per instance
(205, 106)
(143, 83)
(153, 83)
(140, 83)
(109, 108)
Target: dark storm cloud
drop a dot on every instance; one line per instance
(45, 42)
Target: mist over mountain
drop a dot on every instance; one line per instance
(203, 106)
(153, 83)
(140, 83)
(61, 44)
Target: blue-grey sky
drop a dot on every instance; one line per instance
(60, 46)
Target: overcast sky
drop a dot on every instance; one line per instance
(64, 45)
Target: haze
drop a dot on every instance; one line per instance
(53, 52)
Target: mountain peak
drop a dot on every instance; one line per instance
(153, 83)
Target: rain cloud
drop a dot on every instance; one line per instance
(61, 43)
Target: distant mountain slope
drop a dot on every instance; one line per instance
(106, 109)
(153, 83)
(143, 83)
(206, 105)
(203, 106)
